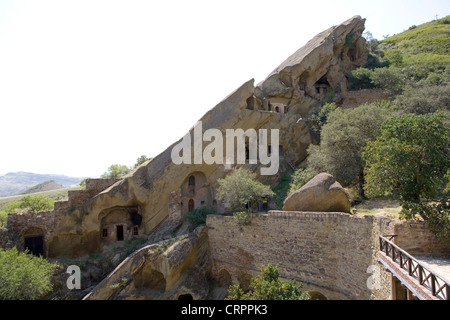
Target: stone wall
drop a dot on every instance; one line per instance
(328, 252)
(416, 239)
(352, 99)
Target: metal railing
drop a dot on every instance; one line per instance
(438, 286)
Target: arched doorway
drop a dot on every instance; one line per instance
(191, 205)
(186, 296)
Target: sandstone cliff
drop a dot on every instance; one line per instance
(160, 193)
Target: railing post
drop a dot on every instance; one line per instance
(409, 266)
(433, 284)
(420, 271)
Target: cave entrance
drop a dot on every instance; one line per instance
(186, 296)
(35, 245)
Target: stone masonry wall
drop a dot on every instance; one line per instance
(327, 252)
(416, 239)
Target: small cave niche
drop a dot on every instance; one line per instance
(186, 296)
(322, 86)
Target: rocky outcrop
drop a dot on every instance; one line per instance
(164, 270)
(318, 69)
(321, 194)
(160, 191)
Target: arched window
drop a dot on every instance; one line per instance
(191, 205)
(191, 181)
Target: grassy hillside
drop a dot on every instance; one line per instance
(57, 195)
(16, 182)
(431, 37)
(44, 186)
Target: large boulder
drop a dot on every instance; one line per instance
(321, 194)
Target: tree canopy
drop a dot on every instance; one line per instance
(343, 137)
(410, 157)
(241, 187)
(268, 286)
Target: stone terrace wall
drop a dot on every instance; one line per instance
(416, 239)
(78, 197)
(328, 252)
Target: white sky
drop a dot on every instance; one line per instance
(85, 84)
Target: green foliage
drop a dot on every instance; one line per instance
(387, 78)
(133, 244)
(240, 188)
(410, 156)
(281, 190)
(37, 203)
(360, 79)
(116, 171)
(423, 100)
(437, 215)
(3, 219)
(343, 137)
(268, 286)
(242, 218)
(318, 119)
(350, 40)
(83, 183)
(433, 37)
(198, 216)
(300, 178)
(140, 161)
(24, 276)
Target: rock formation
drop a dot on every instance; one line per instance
(321, 194)
(160, 192)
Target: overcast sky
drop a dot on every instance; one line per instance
(88, 83)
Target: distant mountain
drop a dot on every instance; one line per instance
(17, 182)
(44, 186)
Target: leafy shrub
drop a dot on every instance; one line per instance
(300, 178)
(268, 286)
(198, 216)
(387, 78)
(423, 100)
(242, 218)
(24, 276)
(240, 188)
(37, 203)
(360, 79)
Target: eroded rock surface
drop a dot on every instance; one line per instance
(321, 194)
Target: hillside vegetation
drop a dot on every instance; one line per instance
(44, 186)
(397, 149)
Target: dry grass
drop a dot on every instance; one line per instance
(386, 208)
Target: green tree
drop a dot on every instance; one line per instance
(387, 78)
(268, 286)
(116, 171)
(410, 157)
(318, 119)
(423, 100)
(240, 188)
(141, 160)
(360, 79)
(344, 135)
(24, 276)
(37, 203)
(300, 177)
